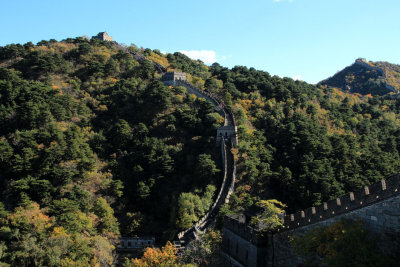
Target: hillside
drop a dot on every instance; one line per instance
(375, 78)
(94, 146)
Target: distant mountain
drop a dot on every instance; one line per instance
(367, 77)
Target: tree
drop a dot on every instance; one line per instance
(269, 218)
(152, 257)
(106, 222)
(191, 206)
(344, 243)
(205, 167)
(204, 251)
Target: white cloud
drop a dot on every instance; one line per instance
(297, 78)
(207, 56)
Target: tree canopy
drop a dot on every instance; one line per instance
(93, 145)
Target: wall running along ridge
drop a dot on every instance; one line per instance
(228, 183)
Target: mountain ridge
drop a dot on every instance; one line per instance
(90, 131)
(367, 77)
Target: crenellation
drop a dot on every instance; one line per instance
(366, 190)
(309, 212)
(368, 195)
(243, 230)
(383, 184)
(381, 217)
(351, 195)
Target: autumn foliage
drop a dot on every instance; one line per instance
(166, 256)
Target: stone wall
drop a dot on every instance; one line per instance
(381, 219)
(227, 132)
(228, 182)
(103, 36)
(131, 242)
(200, 93)
(377, 206)
(354, 200)
(170, 78)
(229, 129)
(380, 70)
(367, 66)
(242, 245)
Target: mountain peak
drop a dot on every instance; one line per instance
(367, 77)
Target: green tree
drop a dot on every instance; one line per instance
(204, 251)
(269, 219)
(344, 243)
(107, 223)
(205, 167)
(192, 206)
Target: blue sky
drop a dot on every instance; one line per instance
(311, 39)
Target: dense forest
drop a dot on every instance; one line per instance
(94, 146)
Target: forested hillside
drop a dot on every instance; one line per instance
(88, 134)
(374, 78)
(94, 146)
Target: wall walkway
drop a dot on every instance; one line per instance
(228, 182)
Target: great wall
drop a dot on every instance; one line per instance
(377, 206)
(363, 63)
(227, 138)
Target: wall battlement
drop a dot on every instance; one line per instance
(229, 130)
(226, 144)
(363, 62)
(366, 65)
(344, 204)
(377, 206)
(243, 230)
(354, 200)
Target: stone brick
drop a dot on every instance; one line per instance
(378, 210)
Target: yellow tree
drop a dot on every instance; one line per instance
(269, 218)
(166, 256)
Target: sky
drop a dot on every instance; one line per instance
(303, 39)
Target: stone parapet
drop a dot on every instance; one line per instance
(244, 231)
(228, 182)
(344, 204)
(367, 66)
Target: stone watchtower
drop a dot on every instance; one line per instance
(171, 77)
(227, 132)
(103, 36)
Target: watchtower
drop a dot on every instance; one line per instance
(361, 60)
(103, 36)
(171, 77)
(227, 132)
